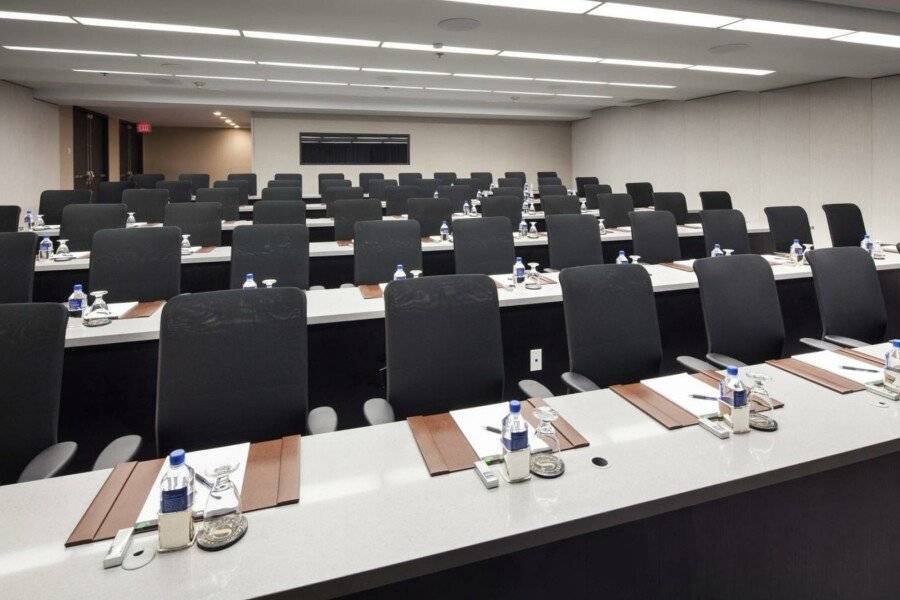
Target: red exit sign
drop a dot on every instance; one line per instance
(144, 127)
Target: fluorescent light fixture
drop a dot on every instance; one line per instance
(578, 7)
(25, 16)
(305, 82)
(444, 49)
(478, 76)
(392, 87)
(617, 10)
(584, 96)
(872, 39)
(543, 56)
(402, 71)
(307, 66)
(218, 113)
(643, 85)
(232, 61)
(791, 29)
(523, 93)
(223, 117)
(105, 72)
(220, 77)
(644, 63)
(441, 89)
(310, 39)
(732, 70)
(578, 81)
(68, 51)
(156, 26)
(237, 126)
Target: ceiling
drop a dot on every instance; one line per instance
(794, 60)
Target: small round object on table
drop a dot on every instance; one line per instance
(546, 465)
(227, 532)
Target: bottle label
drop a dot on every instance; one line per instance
(174, 500)
(520, 274)
(74, 304)
(518, 440)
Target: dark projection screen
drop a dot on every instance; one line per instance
(354, 149)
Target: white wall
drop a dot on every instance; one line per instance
(835, 141)
(29, 146)
(457, 145)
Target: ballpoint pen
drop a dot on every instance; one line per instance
(492, 429)
(702, 397)
(851, 368)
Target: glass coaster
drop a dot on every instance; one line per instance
(222, 532)
(547, 465)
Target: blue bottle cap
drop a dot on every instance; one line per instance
(895, 343)
(796, 240)
(733, 371)
(443, 222)
(514, 406)
(621, 253)
(717, 245)
(399, 266)
(518, 259)
(77, 287)
(176, 457)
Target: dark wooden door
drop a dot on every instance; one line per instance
(131, 150)
(90, 148)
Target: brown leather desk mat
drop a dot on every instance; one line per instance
(833, 382)
(370, 291)
(678, 267)
(866, 358)
(445, 448)
(143, 309)
(206, 249)
(271, 478)
(344, 243)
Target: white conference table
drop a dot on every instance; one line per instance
(369, 514)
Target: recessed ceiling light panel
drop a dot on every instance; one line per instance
(564, 6)
(26, 16)
(305, 82)
(442, 48)
(544, 56)
(732, 70)
(789, 29)
(871, 39)
(644, 63)
(403, 71)
(232, 61)
(579, 81)
(68, 51)
(310, 39)
(479, 76)
(108, 72)
(220, 77)
(307, 66)
(617, 10)
(91, 21)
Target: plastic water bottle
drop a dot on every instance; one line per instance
(523, 228)
(515, 429)
(868, 245)
(249, 282)
(445, 231)
(466, 208)
(77, 301)
(733, 401)
(177, 485)
(621, 259)
(519, 270)
(29, 220)
(717, 251)
(45, 249)
(527, 190)
(892, 367)
(796, 252)
(525, 204)
(436, 195)
(399, 273)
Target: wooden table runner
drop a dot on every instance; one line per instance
(833, 382)
(866, 358)
(271, 478)
(206, 249)
(143, 309)
(370, 291)
(678, 267)
(343, 243)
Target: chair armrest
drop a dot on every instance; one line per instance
(120, 450)
(49, 462)
(695, 364)
(534, 389)
(322, 420)
(818, 344)
(579, 383)
(723, 360)
(841, 340)
(378, 411)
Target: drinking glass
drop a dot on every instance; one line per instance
(806, 249)
(533, 279)
(39, 222)
(186, 244)
(269, 283)
(63, 248)
(634, 258)
(98, 312)
(130, 220)
(223, 522)
(602, 226)
(416, 273)
(546, 432)
(532, 231)
(728, 251)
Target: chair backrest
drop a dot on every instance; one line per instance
(365, 180)
(430, 213)
(201, 220)
(614, 209)
(250, 178)
(242, 185)
(654, 236)
(426, 187)
(228, 197)
(592, 192)
(553, 190)
(278, 252)
(611, 325)
(142, 264)
(516, 175)
(484, 179)
(786, 224)
(483, 246)
(750, 331)
(197, 180)
(443, 344)
(379, 246)
(715, 201)
(146, 181)
(110, 192)
(32, 343)
(674, 202)
(285, 183)
(279, 212)
(148, 206)
(561, 205)
(207, 397)
(81, 221)
(641, 193)
(503, 206)
(727, 228)
(9, 218)
(472, 183)
(445, 178)
(333, 194)
(516, 191)
(408, 178)
(17, 250)
(845, 224)
(53, 202)
(459, 195)
(290, 177)
(542, 181)
(511, 182)
(580, 182)
(179, 191)
(347, 212)
(396, 198)
(326, 179)
(378, 187)
(546, 174)
(281, 192)
(851, 303)
(573, 241)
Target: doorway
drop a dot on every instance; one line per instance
(90, 148)
(131, 151)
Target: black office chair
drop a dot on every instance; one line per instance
(845, 224)
(851, 303)
(366, 179)
(511, 182)
(581, 182)
(286, 183)
(81, 221)
(573, 240)
(430, 213)
(332, 194)
(483, 179)
(179, 191)
(32, 343)
(279, 212)
(142, 264)
(426, 187)
(397, 197)
(207, 397)
(673, 202)
(715, 201)
(503, 206)
(442, 353)
(242, 185)
(445, 178)
(291, 177)
(197, 180)
(517, 175)
(408, 178)
(148, 206)
(546, 174)
(641, 193)
(553, 190)
(786, 224)
(514, 191)
(592, 193)
(467, 181)
(17, 250)
(250, 178)
(279, 252)
(725, 227)
(483, 246)
(282, 192)
(459, 195)
(9, 218)
(53, 202)
(654, 236)
(326, 179)
(346, 213)
(382, 245)
(110, 192)
(146, 181)
(561, 205)
(230, 198)
(614, 209)
(378, 188)
(201, 220)
(542, 181)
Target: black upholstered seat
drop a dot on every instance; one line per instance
(279, 252)
(138, 264)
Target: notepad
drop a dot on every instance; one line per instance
(487, 444)
(877, 351)
(678, 389)
(832, 362)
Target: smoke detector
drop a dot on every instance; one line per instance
(459, 24)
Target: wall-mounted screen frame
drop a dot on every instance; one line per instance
(354, 148)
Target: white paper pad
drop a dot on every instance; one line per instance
(685, 263)
(693, 225)
(487, 444)
(137, 224)
(678, 389)
(832, 361)
(776, 260)
(202, 461)
(877, 351)
(625, 228)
